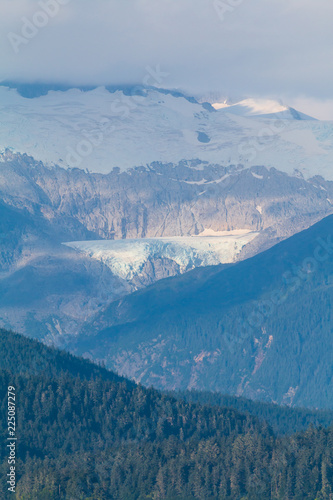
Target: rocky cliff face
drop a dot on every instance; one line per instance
(43, 207)
(165, 199)
(261, 328)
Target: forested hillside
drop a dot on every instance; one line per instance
(84, 433)
(261, 328)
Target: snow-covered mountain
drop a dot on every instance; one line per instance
(261, 108)
(99, 130)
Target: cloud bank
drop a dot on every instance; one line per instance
(235, 47)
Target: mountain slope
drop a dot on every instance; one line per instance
(33, 358)
(45, 207)
(182, 332)
(46, 289)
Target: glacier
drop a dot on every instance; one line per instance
(126, 258)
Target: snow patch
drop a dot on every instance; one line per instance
(257, 176)
(205, 182)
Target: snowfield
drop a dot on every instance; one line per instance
(99, 130)
(262, 108)
(126, 258)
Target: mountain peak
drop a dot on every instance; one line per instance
(261, 107)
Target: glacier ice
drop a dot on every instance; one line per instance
(126, 258)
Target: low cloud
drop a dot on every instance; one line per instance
(236, 47)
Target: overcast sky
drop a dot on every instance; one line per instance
(267, 48)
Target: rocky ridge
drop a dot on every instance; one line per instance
(43, 207)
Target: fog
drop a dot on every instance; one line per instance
(235, 48)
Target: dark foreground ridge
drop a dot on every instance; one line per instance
(85, 433)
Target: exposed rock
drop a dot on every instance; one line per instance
(43, 207)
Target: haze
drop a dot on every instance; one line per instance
(234, 48)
